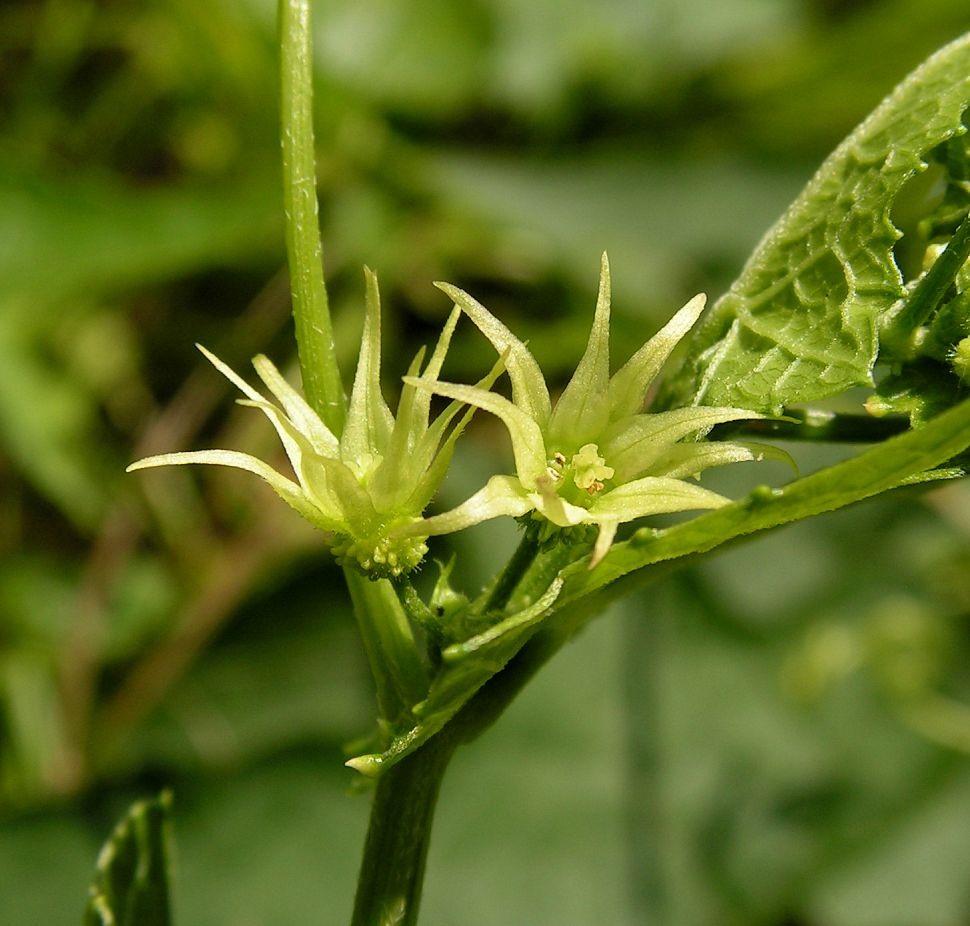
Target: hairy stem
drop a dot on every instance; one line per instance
(311, 311)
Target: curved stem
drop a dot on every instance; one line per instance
(398, 836)
(311, 311)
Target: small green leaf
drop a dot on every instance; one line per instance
(134, 870)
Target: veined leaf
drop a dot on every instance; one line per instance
(800, 323)
(133, 875)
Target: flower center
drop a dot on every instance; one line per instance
(586, 469)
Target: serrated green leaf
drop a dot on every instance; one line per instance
(800, 323)
(132, 880)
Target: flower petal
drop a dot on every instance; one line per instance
(411, 423)
(285, 429)
(500, 496)
(285, 488)
(653, 495)
(628, 388)
(632, 444)
(433, 369)
(231, 375)
(432, 456)
(581, 412)
(555, 508)
(691, 459)
(529, 390)
(369, 420)
(684, 460)
(306, 420)
(391, 478)
(528, 444)
(334, 488)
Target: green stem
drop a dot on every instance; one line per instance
(814, 424)
(392, 651)
(928, 293)
(516, 568)
(311, 312)
(398, 836)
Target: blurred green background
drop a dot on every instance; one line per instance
(778, 738)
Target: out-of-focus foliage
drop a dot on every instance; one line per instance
(132, 881)
(779, 737)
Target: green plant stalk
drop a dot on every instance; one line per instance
(391, 650)
(311, 311)
(392, 870)
(929, 292)
(395, 662)
(513, 573)
(398, 836)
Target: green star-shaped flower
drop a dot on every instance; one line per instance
(595, 457)
(381, 472)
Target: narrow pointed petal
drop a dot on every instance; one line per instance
(391, 477)
(369, 420)
(653, 495)
(434, 455)
(294, 443)
(501, 496)
(306, 420)
(633, 444)
(628, 388)
(433, 437)
(529, 390)
(684, 460)
(411, 421)
(582, 408)
(528, 445)
(311, 467)
(231, 375)
(285, 488)
(433, 369)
